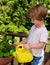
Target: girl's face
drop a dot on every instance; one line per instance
(36, 22)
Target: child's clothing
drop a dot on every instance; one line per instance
(37, 61)
(37, 35)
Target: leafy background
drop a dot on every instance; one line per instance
(13, 15)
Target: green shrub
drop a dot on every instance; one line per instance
(5, 47)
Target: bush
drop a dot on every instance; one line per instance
(5, 47)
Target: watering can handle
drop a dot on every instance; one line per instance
(20, 46)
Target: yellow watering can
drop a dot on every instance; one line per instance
(22, 55)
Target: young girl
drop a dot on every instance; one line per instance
(38, 35)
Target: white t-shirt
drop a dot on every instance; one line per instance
(35, 36)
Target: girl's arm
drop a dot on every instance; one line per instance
(34, 46)
(37, 46)
(23, 41)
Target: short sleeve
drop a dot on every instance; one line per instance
(44, 36)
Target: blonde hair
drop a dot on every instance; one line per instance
(37, 12)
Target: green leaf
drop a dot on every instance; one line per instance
(1, 54)
(12, 52)
(6, 54)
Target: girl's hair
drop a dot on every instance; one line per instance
(37, 12)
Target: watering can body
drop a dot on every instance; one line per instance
(22, 55)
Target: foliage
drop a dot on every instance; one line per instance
(13, 14)
(5, 47)
(49, 33)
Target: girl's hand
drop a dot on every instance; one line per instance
(14, 44)
(27, 46)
